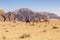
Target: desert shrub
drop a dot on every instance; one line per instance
(44, 30)
(54, 27)
(4, 37)
(6, 31)
(24, 36)
(27, 21)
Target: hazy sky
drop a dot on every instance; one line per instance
(52, 6)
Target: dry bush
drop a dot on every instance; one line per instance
(24, 36)
(6, 31)
(27, 21)
(54, 27)
(44, 30)
(4, 37)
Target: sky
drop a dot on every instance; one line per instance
(52, 6)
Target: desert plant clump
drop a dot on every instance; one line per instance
(44, 30)
(4, 37)
(6, 31)
(27, 21)
(24, 36)
(54, 27)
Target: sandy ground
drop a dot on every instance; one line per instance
(23, 31)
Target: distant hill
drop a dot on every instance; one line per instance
(27, 14)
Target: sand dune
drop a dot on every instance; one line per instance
(23, 31)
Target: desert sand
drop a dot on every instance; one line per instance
(23, 31)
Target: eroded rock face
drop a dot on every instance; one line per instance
(24, 14)
(1, 11)
(1, 18)
(27, 14)
(9, 16)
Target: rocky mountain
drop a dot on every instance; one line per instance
(24, 14)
